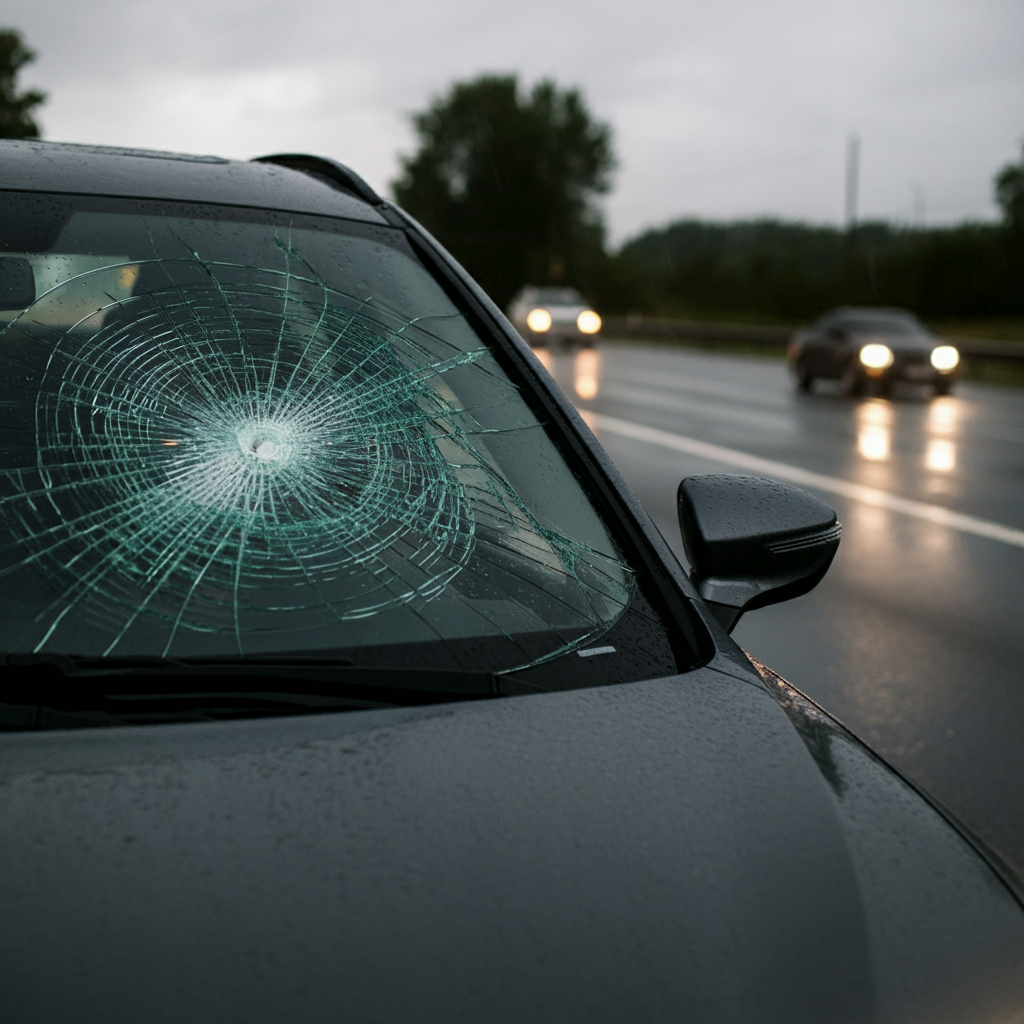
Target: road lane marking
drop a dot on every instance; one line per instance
(805, 478)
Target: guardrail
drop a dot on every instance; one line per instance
(696, 330)
(776, 338)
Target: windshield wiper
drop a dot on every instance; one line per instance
(63, 691)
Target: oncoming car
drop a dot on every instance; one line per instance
(872, 348)
(344, 679)
(554, 318)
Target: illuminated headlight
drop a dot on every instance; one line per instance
(945, 357)
(588, 322)
(876, 357)
(539, 320)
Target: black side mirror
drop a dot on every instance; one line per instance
(17, 283)
(753, 542)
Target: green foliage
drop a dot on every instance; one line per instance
(1009, 188)
(507, 181)
(787, 271)
(16, 108)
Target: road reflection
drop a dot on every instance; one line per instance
(893, 437)
(586, 373)
(577, 373)
(943, 416)
(874, 430)
(940, 455)
(942, 424)
(877, 419)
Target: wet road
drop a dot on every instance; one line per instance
(915, 639)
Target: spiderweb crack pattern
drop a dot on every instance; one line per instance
(240, 450)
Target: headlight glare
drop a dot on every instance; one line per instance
(539, 320)
(588, 322)
(945, 357)
(876, 356)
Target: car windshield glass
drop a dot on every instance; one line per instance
(228, 432)
(894, 326)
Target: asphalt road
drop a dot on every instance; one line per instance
(915, 639)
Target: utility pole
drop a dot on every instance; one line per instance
(852, 176)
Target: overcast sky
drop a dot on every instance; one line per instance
(720, 108)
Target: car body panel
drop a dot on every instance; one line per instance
(668, 848)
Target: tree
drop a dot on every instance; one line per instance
(1009, 187)
(16, 108)
(508, 181)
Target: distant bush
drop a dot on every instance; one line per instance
(790, 271)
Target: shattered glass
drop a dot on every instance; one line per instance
(233, 432)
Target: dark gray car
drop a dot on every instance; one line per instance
(344, 679)
(869, 348)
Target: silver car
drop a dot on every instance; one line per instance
(555, 318)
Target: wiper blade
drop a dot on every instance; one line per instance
(141, 675)
(60, 691)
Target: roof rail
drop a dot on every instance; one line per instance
(329, 171)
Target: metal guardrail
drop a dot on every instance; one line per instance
(999, 351)
(778, 337)
(696, 330)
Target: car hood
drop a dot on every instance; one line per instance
(565, 314)
(684, 848)
(899, 342)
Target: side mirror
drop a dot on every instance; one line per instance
(753, 542)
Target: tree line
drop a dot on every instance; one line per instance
(509, 180)
(789, 271)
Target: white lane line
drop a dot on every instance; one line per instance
(805, 478)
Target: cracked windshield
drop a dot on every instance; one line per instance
(231, 432)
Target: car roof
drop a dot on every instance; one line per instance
(37, 166)
(550, 294)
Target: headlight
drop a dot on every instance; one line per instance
(876, 357)
(588, 322)
(945, 357)
(539, 320)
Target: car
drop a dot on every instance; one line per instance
(343, 678)
(872, 349)
(554, 318)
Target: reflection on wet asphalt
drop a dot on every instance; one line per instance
(915, 639)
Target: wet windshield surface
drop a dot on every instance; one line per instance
(228, 433)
